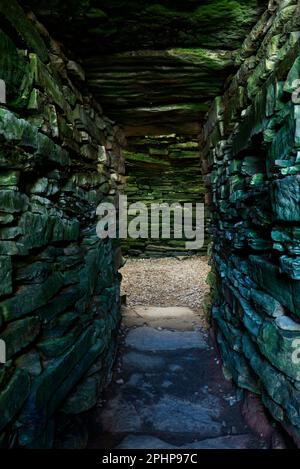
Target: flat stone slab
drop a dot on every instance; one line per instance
(175, 317)
(143, 362)
(169, 415)
(150, 339)
(222, 442)
(159, 313)
(168, 389)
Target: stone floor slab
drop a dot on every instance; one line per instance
(150, 339)
(168, 390)
(223, 442)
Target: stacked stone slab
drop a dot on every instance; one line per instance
(162, 170)
(251, 148)
(59, 283)
(154, 66)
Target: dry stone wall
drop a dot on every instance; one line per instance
(162, 170)
(251, 148)
(59, 284)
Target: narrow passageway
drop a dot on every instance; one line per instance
(168, 389)
(167, 135)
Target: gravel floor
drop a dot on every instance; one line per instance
(166, 281)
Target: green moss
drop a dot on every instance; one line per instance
(161, 11)
(12, 11)
(96, 13)
(212, 58)
(104, 32)
(178, 107)
(214, 11)
(143, 158)
(219, 10)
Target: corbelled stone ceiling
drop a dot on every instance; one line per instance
(155, 67)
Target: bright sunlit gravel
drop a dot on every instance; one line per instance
(165, 282)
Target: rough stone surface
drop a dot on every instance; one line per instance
(221, 442)
(154, 66)
(59, 283)
(168, 392)
(250, 148)
(149, 339)
(159, 70)
(174, 165)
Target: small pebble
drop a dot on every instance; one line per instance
(167, 281)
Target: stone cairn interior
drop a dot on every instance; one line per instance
(159, 170)
(176, 101)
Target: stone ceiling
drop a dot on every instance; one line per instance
(155, 67)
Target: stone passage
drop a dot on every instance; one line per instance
(169, 390)
(218, 79)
